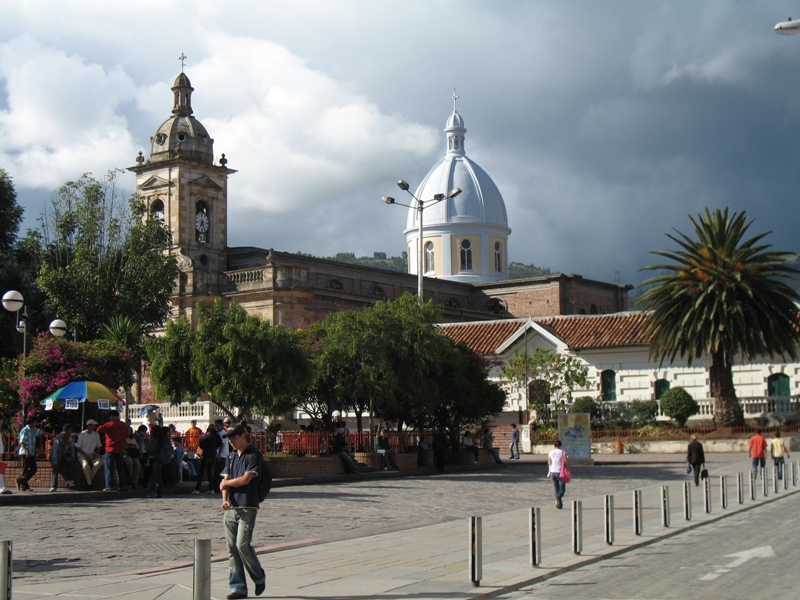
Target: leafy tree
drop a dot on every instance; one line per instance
(10, 213)
(679, 405)
(103, 257)
(170, 358)
(240, 360)
(720, 295)
(551, 378)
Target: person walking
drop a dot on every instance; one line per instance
(777, 448)
(555, 459)
(513, 447)
(240, 504)
(696, 457)
(27, 455)
(758, 451)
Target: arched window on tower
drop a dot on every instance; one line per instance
(430, 266)
(466, 255)
(157, 210)
(498, 258)
(661, 386)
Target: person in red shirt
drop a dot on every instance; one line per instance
(115, 432)
(758, 451)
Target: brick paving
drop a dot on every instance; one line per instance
(83, 536)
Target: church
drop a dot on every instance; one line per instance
(464, 259)
(465, 242)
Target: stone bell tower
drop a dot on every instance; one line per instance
(181, 185)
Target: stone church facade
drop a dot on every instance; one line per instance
(181, 183)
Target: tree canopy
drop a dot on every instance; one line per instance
(102, 257)
(721, 294)
(242, 361)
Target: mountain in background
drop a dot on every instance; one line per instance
(399, 264)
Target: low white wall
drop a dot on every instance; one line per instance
(671, 446)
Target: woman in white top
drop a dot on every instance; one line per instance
(555, 459)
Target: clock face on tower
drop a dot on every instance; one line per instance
(201, 223)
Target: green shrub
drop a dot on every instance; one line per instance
(586, 404)
(678, 405)
(645, 411)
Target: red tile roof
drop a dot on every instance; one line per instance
(483, 337)
(576, 331)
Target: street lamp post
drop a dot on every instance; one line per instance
(420, 207)
(13, 302)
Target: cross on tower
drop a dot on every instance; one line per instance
(454, 97)
(182, 58)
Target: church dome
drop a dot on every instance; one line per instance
(479, 202)
(182, 136)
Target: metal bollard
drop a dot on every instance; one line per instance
(740, 487)
(775, 479)
(608, 514)
(794, 474)
(577, 526)
(785, 478)
(723, 491)
(6, 564)
(687, 501)
(707, 495)
(752, 485)
(665, 505)
(475, 550)
(534, 522)
(202, 570)
(764, 483)
(637, 512)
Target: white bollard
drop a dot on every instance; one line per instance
(202, 570)
(637, 512)
(687, 501)
(535, 528)
(6, 565)
(577, 526)
(608, 514)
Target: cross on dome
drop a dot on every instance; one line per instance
(454, 98)
(182, 58)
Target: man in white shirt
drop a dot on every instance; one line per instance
(87, 445)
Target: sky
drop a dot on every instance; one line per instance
(603, 124)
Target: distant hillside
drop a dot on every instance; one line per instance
(519, 271)
(399, 264)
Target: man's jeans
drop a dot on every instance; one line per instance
(758, 463)
(239, 524)
(68, 467)
(779, 462)
(113, 460)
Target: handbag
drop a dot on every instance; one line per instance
(565, 475)
(688, 468)
(704, 474)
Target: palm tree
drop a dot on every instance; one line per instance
(722, 295)
(124, 331)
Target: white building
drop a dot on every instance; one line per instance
(615, 350)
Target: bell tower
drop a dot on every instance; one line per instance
(181, 185)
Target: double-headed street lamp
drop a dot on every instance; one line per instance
(420, 206)
(13, 302)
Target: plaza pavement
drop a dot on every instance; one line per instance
(415, 556)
